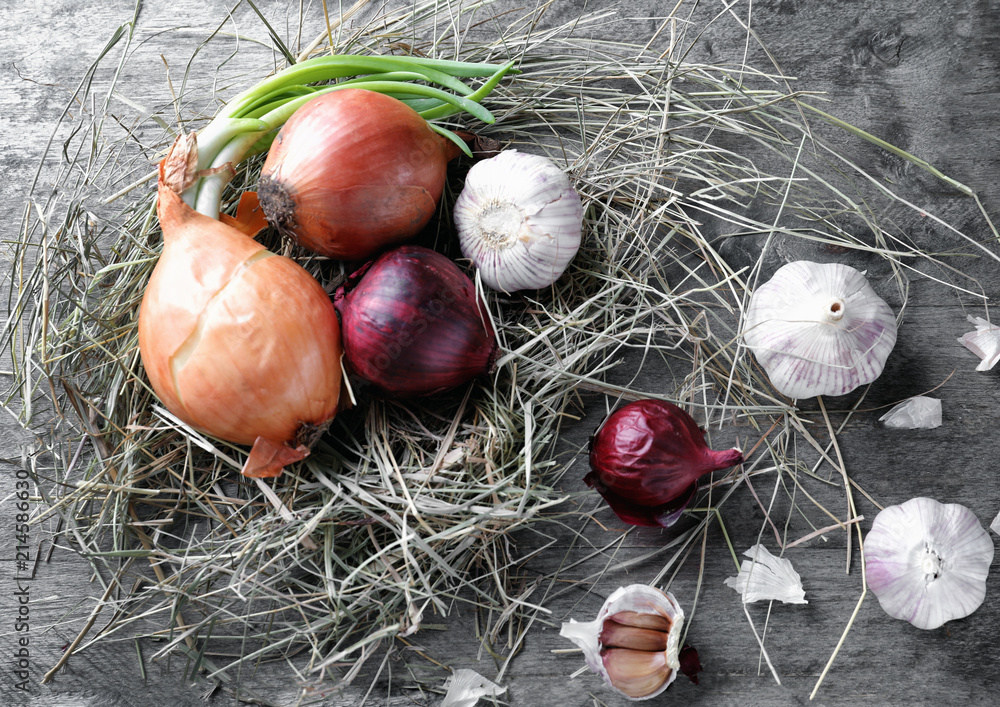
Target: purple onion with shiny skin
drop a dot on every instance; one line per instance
(646, 460)
(412, 325)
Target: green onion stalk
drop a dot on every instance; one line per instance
(248, 124)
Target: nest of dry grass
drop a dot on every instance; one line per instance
(402, 511)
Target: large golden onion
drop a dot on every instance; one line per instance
(237, 341)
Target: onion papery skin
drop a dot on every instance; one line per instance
(646, 459)
(353, 172)
(413, 325)
(237, 342)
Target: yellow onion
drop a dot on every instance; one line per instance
(238, 342)
(353, 172)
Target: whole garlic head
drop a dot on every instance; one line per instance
(927, 562)
(633, 642)
(518, 220)
(819, 329)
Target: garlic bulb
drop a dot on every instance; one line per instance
(819, 329)
(633, 642)
(519, 221)
(927, 562)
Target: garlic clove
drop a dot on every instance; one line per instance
(519, 221)
(641, 620)
(819, 329)
(636, 676)
(766, 577)
(984, 342)
(927, 562)
(616, 635)
(919, 412)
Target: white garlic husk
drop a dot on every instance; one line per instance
(633, 642)
(519, 221)
(765, 577)
(927, 561)
(995, 525)
(819, 329)
(465, 687)
(984, 342)
(917, 413)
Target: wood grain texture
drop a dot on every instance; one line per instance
(923, 75)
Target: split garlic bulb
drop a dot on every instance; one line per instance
(819, 329)
(633, 642)
(519, 221)
(927, 562)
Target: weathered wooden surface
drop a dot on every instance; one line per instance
(923, 75)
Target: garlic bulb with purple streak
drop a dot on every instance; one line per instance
(519, 221)
(819, 329)
(927, 562)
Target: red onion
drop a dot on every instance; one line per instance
(353, 172)
(646, 460)
(412, 324)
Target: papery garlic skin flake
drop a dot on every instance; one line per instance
(519, 221)
(927, 562)
(919, 412)
(638, 605)
(766, 577)
(984, 342)
(819, 329)
(465, 687)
